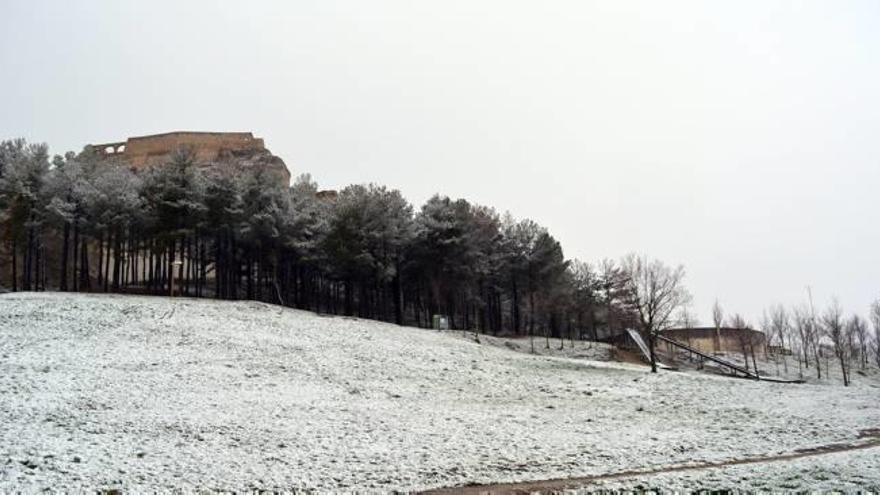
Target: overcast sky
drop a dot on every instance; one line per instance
(741, 139)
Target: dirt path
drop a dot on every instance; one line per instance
(871, 436)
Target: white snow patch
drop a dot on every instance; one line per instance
(136, 393)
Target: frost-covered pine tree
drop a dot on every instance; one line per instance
(115, 229)
(224, 212)
(65, 190)
(369, 230)
(445, 254)
(173, 198)
(22, 210)
(265, 208)
(585, 286)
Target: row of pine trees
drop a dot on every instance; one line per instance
(227, 231)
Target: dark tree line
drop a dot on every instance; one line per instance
(231, 231)
(227, 231)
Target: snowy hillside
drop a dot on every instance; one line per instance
(151, 393)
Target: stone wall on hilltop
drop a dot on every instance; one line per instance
(207, 147)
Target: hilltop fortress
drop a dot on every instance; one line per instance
(207, 147)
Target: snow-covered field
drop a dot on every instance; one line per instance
(842, 471)
(144, 393)
(786, 367)
(594, 351)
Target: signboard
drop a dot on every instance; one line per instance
(441, 322)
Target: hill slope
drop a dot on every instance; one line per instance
(137, 392)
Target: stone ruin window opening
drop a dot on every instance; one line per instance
(109, 150)
(121, 149)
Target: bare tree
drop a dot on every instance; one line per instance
(859, 340)
(718, 319)
(832, 321)
(875, 322)
(779, 326)
(688, 320)
(810, 335)
(766, 326)
(875, 347)
(655, 291)
(746, 338)
(737, 322)
(611, 291)
(798, 341)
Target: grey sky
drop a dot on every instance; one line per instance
(741, 139)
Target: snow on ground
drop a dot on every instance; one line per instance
(787, 367)
(842, 471)
(594, 351)
(144, 393)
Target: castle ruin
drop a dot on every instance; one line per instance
(207, 147)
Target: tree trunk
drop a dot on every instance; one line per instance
(180, 279)
(398, 298)
(85, 280)
(349, 293)
(203, 276)
(117, 260)
(100, 279)
(107, 262)
(514, 307)
(29, 259)
(75, 255)
(65, 250)
(169, 268)
(249, 273)
(14, 263)
(219, 269)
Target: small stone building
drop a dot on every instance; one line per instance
(723, 340)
